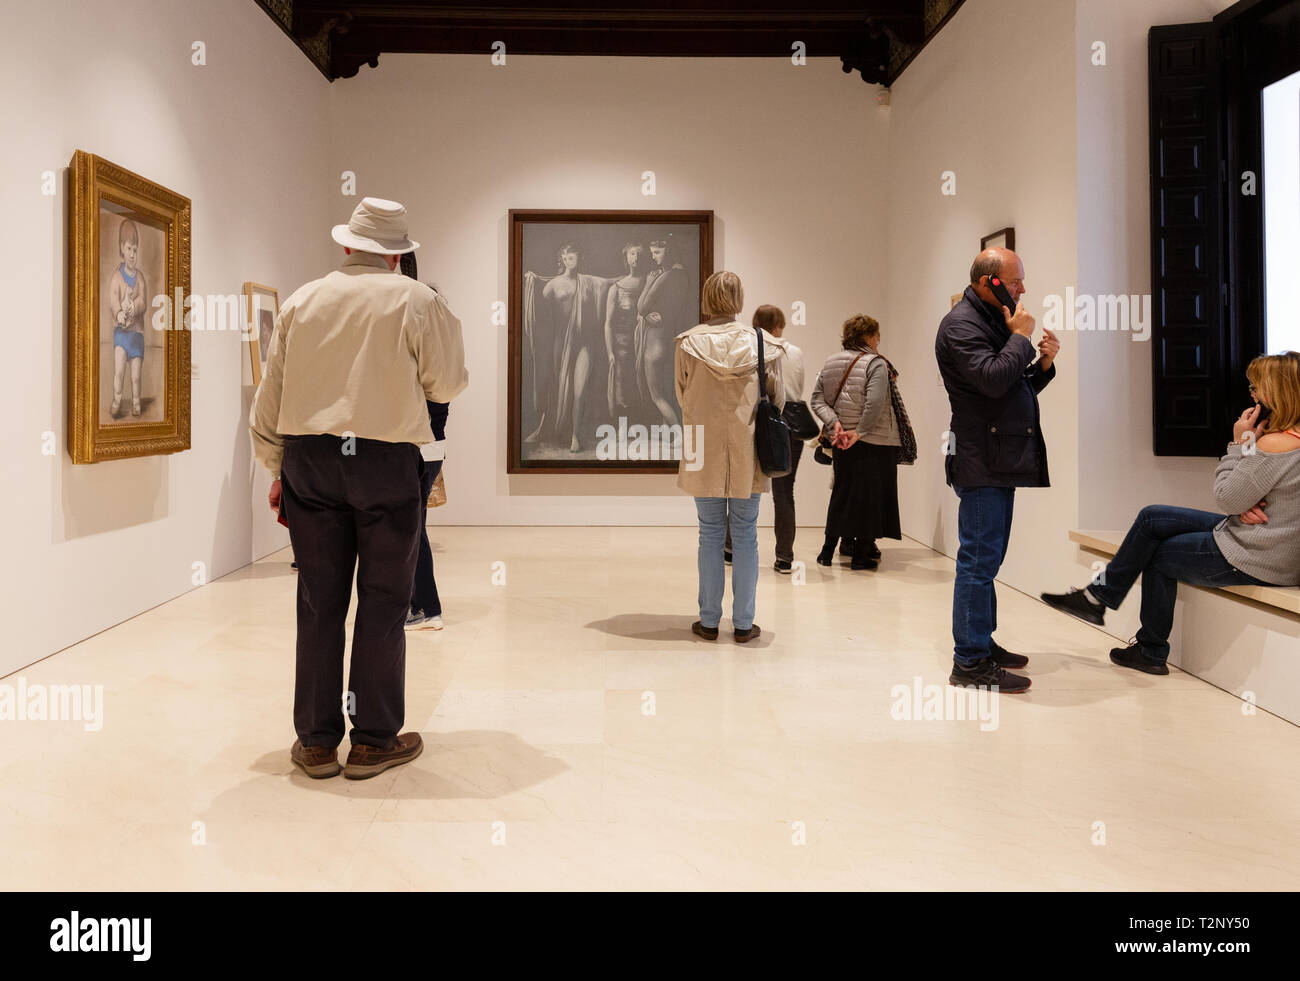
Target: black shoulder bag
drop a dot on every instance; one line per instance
(771, 434)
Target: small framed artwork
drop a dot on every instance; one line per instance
(597, 299)
(128, 342)
(261, 307)
(1003, 238)
(954, 299)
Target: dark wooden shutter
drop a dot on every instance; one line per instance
(1189, 349)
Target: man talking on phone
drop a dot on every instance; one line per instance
(993, 373)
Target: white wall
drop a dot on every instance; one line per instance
(820, 196)
(1005, 127)
(244, 137)
(791, 159)
(1115, 428)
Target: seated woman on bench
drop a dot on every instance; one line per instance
(1256, 542)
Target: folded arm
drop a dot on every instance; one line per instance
(1242, 481)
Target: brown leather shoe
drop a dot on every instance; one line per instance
(370, 761)
(315, 761)
(745, 636)
(700, 630)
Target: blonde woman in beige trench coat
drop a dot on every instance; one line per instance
(716, 370)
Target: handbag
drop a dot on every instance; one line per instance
(771, 434)
(438, 493)
(906, 451)
(823, 452)
(803, 424)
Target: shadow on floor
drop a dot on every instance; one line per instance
(475, 764)
(666, 628)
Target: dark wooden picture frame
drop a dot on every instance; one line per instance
(1008, 236)
(521, 348)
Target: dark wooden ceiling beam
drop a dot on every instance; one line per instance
(342, 35)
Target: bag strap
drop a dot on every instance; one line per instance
(762, 368)
(845, 379)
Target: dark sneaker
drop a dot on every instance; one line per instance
(745, 636)
(726, 557)
(700, 630)
(783, 567)
(315, 761)
(1003, 658)
(986, 674)
(826, 556)
(370, 761)
(1131, 657)
(1078, 605)
(859, 565)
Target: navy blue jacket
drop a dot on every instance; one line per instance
(996, 439)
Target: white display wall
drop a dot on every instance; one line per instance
(820, 196)
(244, 137)
(792, 160)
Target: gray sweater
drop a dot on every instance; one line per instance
(1270, 552)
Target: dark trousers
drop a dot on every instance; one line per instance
(352, 505)
(424, 594)
(1166, 546)
(783, 505)
(983, 533)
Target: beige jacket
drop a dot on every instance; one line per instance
(357, 352)
(717, 388)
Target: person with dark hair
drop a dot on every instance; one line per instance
(563, 325)
(995, 444)
(772, 321)
(666, 308)
(852, 400)
(620, 334)
(426, 606)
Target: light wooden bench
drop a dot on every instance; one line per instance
(1285, 598)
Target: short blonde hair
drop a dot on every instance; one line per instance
(722, 295)
(859, 329)
(1276, 380)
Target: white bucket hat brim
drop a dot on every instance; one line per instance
(377, 226)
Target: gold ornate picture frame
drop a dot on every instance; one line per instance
(128, 342)
(261, 307)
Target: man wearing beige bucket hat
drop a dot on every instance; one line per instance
(338, 420)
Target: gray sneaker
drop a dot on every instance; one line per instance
(416, 620)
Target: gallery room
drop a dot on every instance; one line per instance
(706, 447)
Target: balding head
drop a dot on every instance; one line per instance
(994, 262)
(1004, 264)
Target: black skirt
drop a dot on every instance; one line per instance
(864, 499)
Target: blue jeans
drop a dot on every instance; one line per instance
(1166, 546)
(983, 531)
(713, 513)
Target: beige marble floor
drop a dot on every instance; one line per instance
(578, 737)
